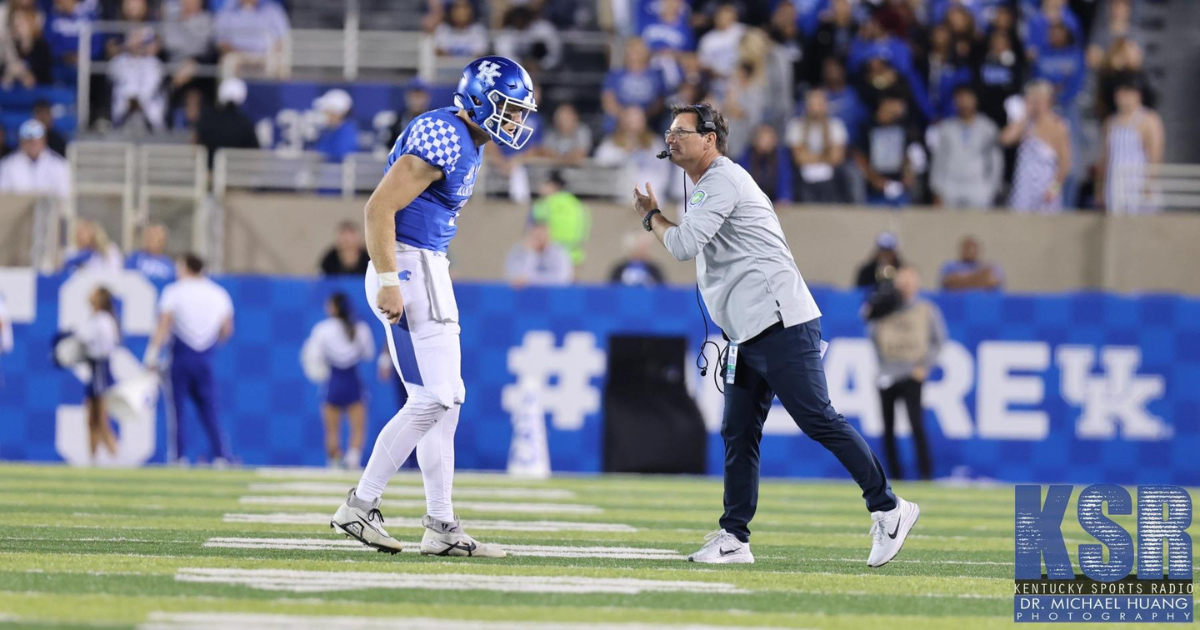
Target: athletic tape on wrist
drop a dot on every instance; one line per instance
(389, 279)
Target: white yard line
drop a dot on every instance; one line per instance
(269, 472)
(863, 561)
(499, 492)
(326, 581)
(322, 518)
(403, 476)
(478, 506)
(539, 551)
(250, 621)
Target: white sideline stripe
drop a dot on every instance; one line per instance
(403, 476)
(982, 563)
(250, 621)
(540, 551)
(324, 581)
(322, 518)
(302, 472)
(316, 487)
(478, 506)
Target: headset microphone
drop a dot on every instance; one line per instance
(662, 155)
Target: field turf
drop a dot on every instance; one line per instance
(174, 548)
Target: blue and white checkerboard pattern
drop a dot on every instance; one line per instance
(435, 141)
(271, 413)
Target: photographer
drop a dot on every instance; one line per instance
(908, 332)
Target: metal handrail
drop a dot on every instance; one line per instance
(124, 187)
(1159, 186)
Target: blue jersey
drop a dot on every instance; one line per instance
(151, 266)
(443, 140)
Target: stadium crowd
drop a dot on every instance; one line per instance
(1030, 105)
(1026, 104)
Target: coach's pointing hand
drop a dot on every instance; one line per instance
(389, 302)
(644, 203)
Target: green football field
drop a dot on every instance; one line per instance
(171, 548)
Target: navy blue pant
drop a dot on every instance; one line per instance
(191, 377)
(786, 362)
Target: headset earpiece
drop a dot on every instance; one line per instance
(704, 112)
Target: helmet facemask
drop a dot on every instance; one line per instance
(510, 112)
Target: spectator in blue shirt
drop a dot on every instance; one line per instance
(831, 38)
(769, 163)
(633, 85)
(669, 29)
(1039, 23)
(1061, 63)
(63, 25)
(874, 43)
(151, 259)
(844, 103)
(809, 14)
(981, 10)
(951, 59)
(968, 273)
(340, 135)
(669, 36)
(253, 29)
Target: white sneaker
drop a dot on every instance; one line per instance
(352, 459)
(365, 526)
(889, 531)
(721, 547)
(447, 538)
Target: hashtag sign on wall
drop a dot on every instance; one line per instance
(571, 397)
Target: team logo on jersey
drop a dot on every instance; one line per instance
(488, 73)
(697, 198)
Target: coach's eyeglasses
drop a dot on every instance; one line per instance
(678, 133)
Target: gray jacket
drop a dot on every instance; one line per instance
(967, 162)
(745, 270)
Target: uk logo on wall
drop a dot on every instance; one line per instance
(1071, 388)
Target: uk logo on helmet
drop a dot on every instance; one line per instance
(488, 72)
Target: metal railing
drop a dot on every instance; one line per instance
(306, 171)
(589, 179)
(172, 171)
(136, 175)
(103, 169)
(346, 51)
(1138, 189)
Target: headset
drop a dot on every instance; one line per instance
(704, 112)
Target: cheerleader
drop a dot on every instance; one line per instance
(343, 342)
(100, 336)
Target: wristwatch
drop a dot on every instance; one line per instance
(646, 220)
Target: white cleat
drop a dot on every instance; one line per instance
(721, 547)
(889, 531)
(443, 538)
(365, 526)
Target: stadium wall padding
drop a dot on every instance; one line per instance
(1081, 387)
(284, 234)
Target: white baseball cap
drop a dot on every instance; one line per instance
(335, 101)
(31, 130)
(232, 90)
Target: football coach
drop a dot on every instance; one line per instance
(755, 293)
